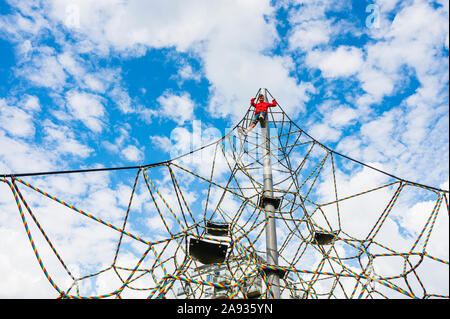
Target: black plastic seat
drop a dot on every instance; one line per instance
(323, 238)
(207, 252)
(215, 229)
(253, 294)
(279, 272)
(275, 201)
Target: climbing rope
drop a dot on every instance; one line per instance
(353, 263)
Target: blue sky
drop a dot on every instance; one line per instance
(111, 83)
(329, 55)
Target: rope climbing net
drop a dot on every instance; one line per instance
(194, 226)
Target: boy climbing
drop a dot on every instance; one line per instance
(260, 112)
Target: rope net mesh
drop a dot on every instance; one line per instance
(344, 230)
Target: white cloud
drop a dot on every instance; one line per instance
(186, 72)
(15, 121)
(21, 267)
(325, 133)
(232, 49)
(28, 21)
(415, 38)
(344, 61)
(342, 116)
(410, 48)
(18, 156)
(72, 64)
(376, 83)
(87, 108)
(31, 103)
(381, 129)
(94, 83)
(252, 71)
(133, 24)
(181, 142)
(132, 153)
(162, 142)
(310, 10)
(179, 108)
(309, 34)
(156, 224)
(335, 118)
(44, 70)
(121, 99)
(312, 27)
(125, 145)
(64, 140)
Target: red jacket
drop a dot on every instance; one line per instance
(262, 107)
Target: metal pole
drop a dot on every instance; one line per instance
(271, 235)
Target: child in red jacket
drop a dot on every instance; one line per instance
(260, 112)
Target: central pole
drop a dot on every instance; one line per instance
(271, 235)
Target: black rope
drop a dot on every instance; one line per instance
(213, 143)
(82, 170)
(355, 160)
